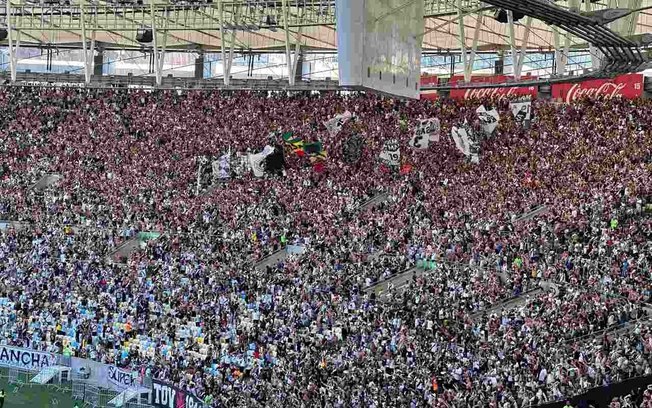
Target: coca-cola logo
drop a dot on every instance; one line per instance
(498, 93)
(606, 89)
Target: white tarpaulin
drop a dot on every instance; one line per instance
(488, 119)
(391, 154)
(257, 161)
(461, 138)
(426, 131)
(521, 110)
(334, 126)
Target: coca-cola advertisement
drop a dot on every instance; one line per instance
(628, 86)
(509, 92)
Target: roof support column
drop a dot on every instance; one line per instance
(596, 54)
(297, 53)
(523, 52)
(512, 40)
(468, 67)
(227, 58)
(288, 55)
(159, 53)
(88, 54)
(561, 54)
(229, 61)
(462, 39)
(14, 44)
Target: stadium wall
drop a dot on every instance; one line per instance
(86, 380)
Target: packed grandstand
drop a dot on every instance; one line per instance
(532, 279)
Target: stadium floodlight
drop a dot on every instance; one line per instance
(144, 35)
(501, 16)
(606, 16)
(642, 40)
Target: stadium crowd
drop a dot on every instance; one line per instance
(517, 311)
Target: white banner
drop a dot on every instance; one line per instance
(521, 110)
(426, 131)
(26, 359)
(391, 154)
(488, 119)
(257, 161)
(461, 138)
(122, 378)
(335, 125)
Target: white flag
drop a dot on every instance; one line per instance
(391, 154)
(426, 131)
(521, 110)
(335, 125)
(488, 119)
(461, 138)
(257, 161)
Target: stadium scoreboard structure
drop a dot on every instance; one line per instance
(379, 45)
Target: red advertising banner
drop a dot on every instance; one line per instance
(628, 86)
(499, 93)
(429, 80)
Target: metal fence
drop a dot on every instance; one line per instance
(91, 394)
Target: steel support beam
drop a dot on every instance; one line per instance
(286, 29)
(14, 44)
(229, 61)
(468, 68)
(512, 41)
(523, 51)
(462, 35)
(596, 54)
(88, 54)
(297, 54)
(227, 57)
(561, 51)
(158, 52)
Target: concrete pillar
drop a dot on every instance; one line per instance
(299, 72)
(98, 63)
(499, 65)
(199, 66)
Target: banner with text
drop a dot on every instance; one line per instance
(498, 93)
(165, 395)
(429, 80)
(628, 86)
(121, 378)
(26, 359)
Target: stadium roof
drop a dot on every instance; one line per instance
(259, 25)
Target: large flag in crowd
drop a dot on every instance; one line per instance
(521, 109)
(391, 153)
(488, 119)
(352, 148)
(295, 143)
(257, 161)
(466, 143)
(461, 138)
(335, 125)
(426, 131)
